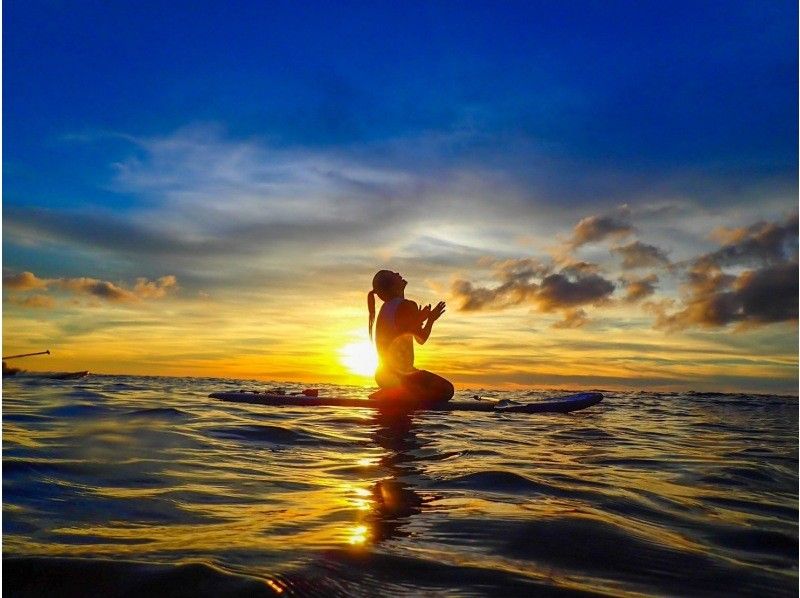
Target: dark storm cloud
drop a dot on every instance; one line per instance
(641, 255)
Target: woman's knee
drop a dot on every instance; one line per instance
(436, 388)
(427, 387)
(448, 390)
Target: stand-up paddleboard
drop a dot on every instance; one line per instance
(554, 405)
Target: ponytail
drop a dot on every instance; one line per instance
(371, 307)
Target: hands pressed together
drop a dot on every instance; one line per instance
(432, 314)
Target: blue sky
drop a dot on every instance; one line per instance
(233, 144)
(695, 86)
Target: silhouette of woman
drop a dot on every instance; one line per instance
(399, 322)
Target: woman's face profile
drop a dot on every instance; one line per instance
(398, 282)
(391, 282)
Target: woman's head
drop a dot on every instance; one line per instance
(387, 285)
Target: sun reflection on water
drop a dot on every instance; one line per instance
(358, 535)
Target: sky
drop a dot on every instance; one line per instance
(604, 193)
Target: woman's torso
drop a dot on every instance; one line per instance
(395, 348)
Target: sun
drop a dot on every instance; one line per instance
(360, 358)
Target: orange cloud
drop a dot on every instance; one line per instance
(24, 281)
(637, 289)
(157, 289)
(34, 301)
(143, 289)
(597, 228)
(754, 298)
(97, 288)
(573, 318)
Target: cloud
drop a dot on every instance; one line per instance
(593, 229)
(641, 255)
(719, 289)
(517, 286)
(218, 210)
(762, 242)
(518, 269)
(573, 318)
(146, 289)
(637, 289)
(565, 289)
(24, 281)
(34, 301)
(508, 294)
(143, 289)
(714, 298)
(97, 288)
(753, 298)
(572, 286)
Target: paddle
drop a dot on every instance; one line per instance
(47, 352)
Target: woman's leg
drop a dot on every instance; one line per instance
(427, 387)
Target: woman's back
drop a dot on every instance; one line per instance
(395, 347)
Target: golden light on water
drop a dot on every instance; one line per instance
(359, 358)
(277, 588)
(358, 534)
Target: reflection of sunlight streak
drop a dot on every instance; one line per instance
(360, 358)
(275, 586)
(361, 492)
(359, 498)
(358, 535)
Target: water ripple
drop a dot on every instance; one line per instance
(143, 483)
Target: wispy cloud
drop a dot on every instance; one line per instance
(33, 301)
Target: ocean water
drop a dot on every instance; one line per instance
(139, 486)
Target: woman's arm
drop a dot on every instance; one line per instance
(418, 321)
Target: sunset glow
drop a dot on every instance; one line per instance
(588, 223)
(360, 358)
